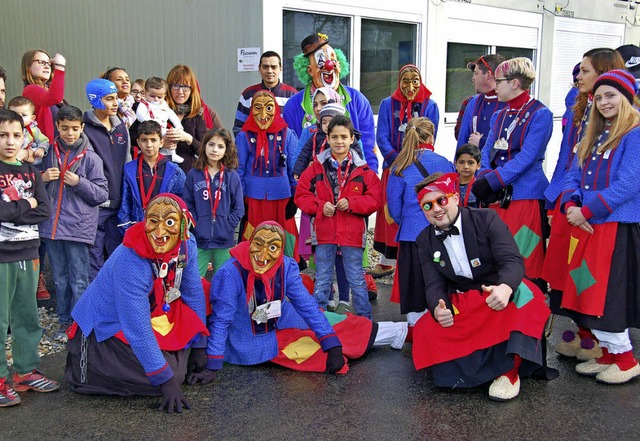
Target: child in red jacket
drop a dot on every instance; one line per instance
(340, 191)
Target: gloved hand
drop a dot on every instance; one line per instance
(205, 376)
(483, 191)
(197, 360)
(291, 208)
(172, 397)
(335, 360)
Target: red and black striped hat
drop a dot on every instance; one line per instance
(621, 80)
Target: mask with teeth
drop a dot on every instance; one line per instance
(263, 109)
(265, 249)
(324, 68)
(162, 226)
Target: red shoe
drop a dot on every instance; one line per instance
(34, 380)
(371, 287)
(8, 396)
(42, 293)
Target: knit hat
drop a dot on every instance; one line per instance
(98, 88)
(313, 42)
(575, 72)
(331, 109)
(619, 79)
(630, 53)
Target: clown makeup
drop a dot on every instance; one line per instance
(162, 226)
(410, 84)
(319, 101)
(324, 68)
(263, 111)
(265, 249)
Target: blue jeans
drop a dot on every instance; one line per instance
(70, 266)
(352, 259)
(108, 237)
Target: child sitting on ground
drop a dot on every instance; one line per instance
(153, 106)
(340, 190)
(35, 144)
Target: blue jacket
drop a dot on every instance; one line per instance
(607, 186)
(74, 215)
(131, 210)
(358, 110)
(389, 136)
(483, 109)
(521, 164)
(118, 300)
(113, 147)
(232, 337)
(403, 206)
(218, 234)
(263, 182)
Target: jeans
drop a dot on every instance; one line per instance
(70, 266)
(108, 237)
(352, 258)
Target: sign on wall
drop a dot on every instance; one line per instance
(248, 59)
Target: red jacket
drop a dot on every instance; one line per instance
(363, 190)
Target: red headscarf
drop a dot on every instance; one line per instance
(447, 183)
(406, 105)
(276, 126)
(242, 255)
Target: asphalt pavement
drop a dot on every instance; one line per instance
(381, 398)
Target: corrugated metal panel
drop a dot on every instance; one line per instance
(147, 37)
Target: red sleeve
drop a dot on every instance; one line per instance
(42, 97)
(304, 198)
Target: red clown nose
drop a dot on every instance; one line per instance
(329, 65)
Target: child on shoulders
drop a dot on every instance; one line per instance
(35, 144)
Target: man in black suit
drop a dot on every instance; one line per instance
(485, 321)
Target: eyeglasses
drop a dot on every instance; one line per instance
(42, 62)
(502, 79)
(137, 92)
(184, 87)
(442, 201)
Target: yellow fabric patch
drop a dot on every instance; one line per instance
(455, 310)
(301, 349)
(248, 231)
(161, 324)
(573, 244)
(387, 215)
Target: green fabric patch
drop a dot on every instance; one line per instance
(522, 296)
(290, 244)
(582, 278)
(334, 318)
(526, 240)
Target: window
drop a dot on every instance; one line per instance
(298, 25)
(385, 48)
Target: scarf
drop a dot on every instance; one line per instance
(406, 105)
(241, 253)
(278, 124)
(125, 108)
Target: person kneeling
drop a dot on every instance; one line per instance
(486, 321)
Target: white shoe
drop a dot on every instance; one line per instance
(614, 375)
(502, 390)
(591, 367)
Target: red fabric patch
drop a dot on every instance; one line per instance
(476, 326)
(586, 284)
(555, 267)
(526, 212)
(385, 232)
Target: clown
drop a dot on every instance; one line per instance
(320, 65)
(411, 99)
(135, 323)
(266, 156)
(485, 321)
(263, 312)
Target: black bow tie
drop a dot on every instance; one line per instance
(443, 234)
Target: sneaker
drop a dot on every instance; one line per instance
(379, 271)
(343, 308)
(42, 293)
(502, 390)
(34, 381)
(62, 331)
(372, 288)
(331, 306)
(8, 396)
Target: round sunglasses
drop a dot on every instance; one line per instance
(442, 201)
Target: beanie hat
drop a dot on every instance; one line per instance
(98, 88)
(331, 109)
(575, 72)
(620, 79)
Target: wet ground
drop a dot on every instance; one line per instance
(381, 398)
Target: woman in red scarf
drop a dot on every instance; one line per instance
(266, 156)
(411, 99)
(136, 322)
